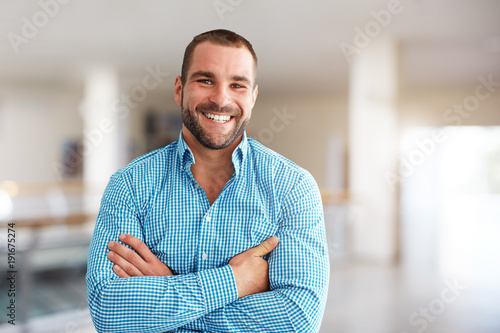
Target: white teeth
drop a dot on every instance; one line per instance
(217, 118)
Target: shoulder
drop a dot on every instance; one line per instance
(284, 174)
(291, 185)
(270, 159)
(144, 172)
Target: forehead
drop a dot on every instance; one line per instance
(222, 60)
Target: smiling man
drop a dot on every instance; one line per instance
(214, 232)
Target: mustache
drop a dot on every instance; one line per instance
(213, 107)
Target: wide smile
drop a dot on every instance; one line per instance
(221, 119)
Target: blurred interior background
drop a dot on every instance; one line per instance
(393, 106)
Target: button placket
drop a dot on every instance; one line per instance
(206, 229)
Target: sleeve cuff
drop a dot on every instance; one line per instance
(218, 286)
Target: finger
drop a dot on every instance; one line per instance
(120, 272)
(139, 246)
(266, 246)
(124, 265)
(129, 255)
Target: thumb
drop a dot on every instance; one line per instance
(266, 246)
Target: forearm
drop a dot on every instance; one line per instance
(299, 277)
(158, 304)
(263, 312)
(145, 304)
(274, 311)
(295, 303)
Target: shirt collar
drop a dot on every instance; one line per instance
(185, 154)
(187, 158)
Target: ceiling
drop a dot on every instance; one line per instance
(443, 43)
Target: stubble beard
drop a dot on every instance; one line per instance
(193, 124)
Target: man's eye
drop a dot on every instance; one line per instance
(205, 81)
(235, 85)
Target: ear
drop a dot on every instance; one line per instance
(178, 90)
(254, 94)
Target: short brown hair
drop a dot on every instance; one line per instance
(218, 37)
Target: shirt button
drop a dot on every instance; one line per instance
(208, 218)
(204, 256)
(196, 186)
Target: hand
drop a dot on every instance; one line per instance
(251, 272)
(135, 263)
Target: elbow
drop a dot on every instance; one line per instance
(102, 322)
(101, 312)
(306, 316)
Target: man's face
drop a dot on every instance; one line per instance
(218, 95)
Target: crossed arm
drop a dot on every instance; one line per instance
(287, 293)
(154, 300)
(251, 272)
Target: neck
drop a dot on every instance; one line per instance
(210, 159)
(213, 168)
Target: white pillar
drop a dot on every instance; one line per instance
(373, 141)
(101, 144)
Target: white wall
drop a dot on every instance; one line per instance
(428, 107)
(303, 138)
(35, 121)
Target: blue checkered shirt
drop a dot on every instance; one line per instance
(156, 199)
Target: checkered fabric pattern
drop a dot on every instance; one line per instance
(156, 199)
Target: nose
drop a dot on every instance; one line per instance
(220, 96)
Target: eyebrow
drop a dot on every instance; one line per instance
(241, 78)
(195, 75)
(210, 75)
